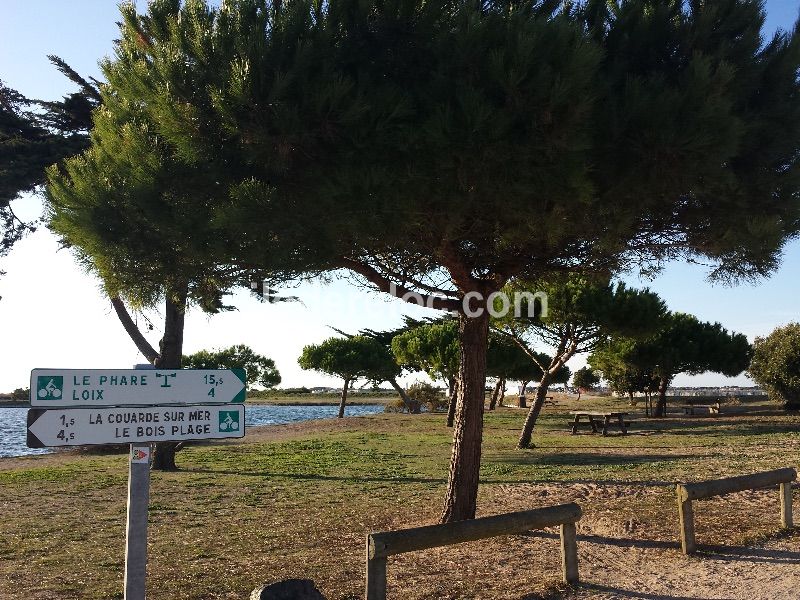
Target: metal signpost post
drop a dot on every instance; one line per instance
(136, 527)
(81, 407)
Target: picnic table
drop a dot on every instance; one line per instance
(714, 409)
(594, 420)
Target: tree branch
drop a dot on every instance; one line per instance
(133, 331)
(397, 290)
(521, 343)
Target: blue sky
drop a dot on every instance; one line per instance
(53, 314)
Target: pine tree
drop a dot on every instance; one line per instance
(35, 134)
(449, 147)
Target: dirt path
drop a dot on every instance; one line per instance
(628, 544)
(625, 568)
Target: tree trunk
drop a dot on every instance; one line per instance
(411, 407)
(171, 347)
(133, 331)
(502, 390)
(451, 407)
(462, 486)
(522, 403)
(495, 394)
(343, 401)
(533, 414)
(661, 405)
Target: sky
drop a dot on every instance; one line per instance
(54, 315)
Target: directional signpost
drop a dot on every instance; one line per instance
(82, 407)
(51, 388)
(94, 426)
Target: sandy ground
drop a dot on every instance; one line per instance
(630, 558)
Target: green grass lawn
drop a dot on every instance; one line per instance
(299, 504)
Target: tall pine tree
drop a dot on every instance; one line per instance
(448, 147)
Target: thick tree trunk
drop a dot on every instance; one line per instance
(522, 401)
(462, 486)
(343, 400)
(533, 413)
(411, 406)
(451, 406)
(171, 347)
(495, 394)
(502, 391)
(661, 405)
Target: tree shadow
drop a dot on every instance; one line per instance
(707, 551)
(588, 459)
(749, 555)
(319, 477)
(621, 593)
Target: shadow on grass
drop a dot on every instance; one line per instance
(706, 425)
(319, 477)
(582, 459)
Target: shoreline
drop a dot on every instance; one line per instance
(288, 401)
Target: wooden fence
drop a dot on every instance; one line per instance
(705, 489)
(388, 543)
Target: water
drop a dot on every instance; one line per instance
(13, 425)
(13, 421)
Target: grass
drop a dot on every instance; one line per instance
(298, 502)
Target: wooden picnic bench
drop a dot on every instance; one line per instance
(596, 419)
(714, 409)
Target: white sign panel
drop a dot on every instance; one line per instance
(91, 426)
(135, 387)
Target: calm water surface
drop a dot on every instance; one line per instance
(13, 421)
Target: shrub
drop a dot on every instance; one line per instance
(428, 396)
(775, 365)
(21, 394)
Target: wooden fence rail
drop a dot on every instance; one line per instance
(384, 544)
(717, 487)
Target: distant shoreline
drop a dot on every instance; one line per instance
(279, 401)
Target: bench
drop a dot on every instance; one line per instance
(714, 409)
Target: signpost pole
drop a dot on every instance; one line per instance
(136, 527)
(100, 406)
(136, 530)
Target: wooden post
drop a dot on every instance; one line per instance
(376, 573)
(569, 553)
(136, 531)
(786, 505)
(686, 514)
(382, 544)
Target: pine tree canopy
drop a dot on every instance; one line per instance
(33, 135)
(492, 140)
